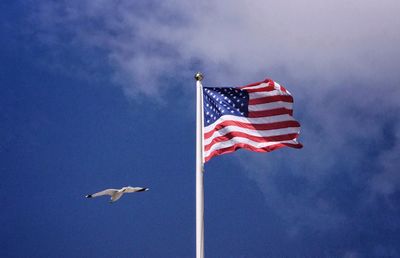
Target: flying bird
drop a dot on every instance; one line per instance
(116, 194)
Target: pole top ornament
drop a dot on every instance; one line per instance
(198, 76)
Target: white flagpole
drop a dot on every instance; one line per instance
(199, 169)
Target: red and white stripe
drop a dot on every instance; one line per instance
(269, 125)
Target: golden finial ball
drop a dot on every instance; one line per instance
(198, 76)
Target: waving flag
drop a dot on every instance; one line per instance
(257, 117)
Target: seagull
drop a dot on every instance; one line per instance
(117, 193)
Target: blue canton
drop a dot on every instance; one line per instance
(224, 101)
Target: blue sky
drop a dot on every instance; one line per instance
(98, 94)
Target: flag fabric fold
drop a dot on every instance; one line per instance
(257, 117)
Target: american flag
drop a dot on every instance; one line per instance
(257, 117)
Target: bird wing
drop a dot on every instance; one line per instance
(105, 192)
(116, 195)
(130, 189)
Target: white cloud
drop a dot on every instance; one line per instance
(236, 41)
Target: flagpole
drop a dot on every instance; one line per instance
(199, 169)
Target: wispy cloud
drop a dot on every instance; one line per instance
(236, 42)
